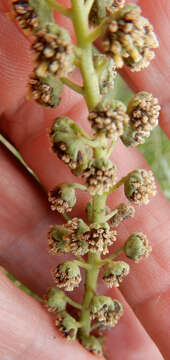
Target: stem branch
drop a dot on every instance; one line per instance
(90, 79)
(118, 184)
(88, 5)
(60, 8)
(72, 85)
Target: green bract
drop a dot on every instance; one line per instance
(137, 247)
(46, 92)
(62, 198)
(67, 325)
(58, 239)
(56, 300)
(43, 11)
(69, 145)
(92, 344)
(139, 185)
(105, 68)
(114, 273)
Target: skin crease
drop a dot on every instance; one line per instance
(25, 218)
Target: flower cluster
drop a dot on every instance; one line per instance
(53, 52)
(101, 9)
(67, 325)
(143, 111)
(67, 275)
(46, 92)
(139, 185)
(55, 300)
(109, 119)
(137, 247)
(122, 212)
(68, 237)
(32, 16)
(99, 176)
(99, 238)
(62, 198)
(26, 15)
(130, 38)
(105, 311)
(70, 146)
(92, 344)
(115, 272)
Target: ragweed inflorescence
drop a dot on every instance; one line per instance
(128, 39)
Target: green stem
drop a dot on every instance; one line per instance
(83, 264)
(109, 216)
(81, 131)
(57, 6)
(99, 208)
(118, 184)
(74, 303)
(66, 217)
(78, 186)
(110, 148)
(99, 204)
(88, 5)
(90, 291)
(72, 85)
(113, 256)
(90, 79)
(98, 31)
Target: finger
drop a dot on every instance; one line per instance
(16, 308)
(156, 78)
(24, 243)
(27, 330)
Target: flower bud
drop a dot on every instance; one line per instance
(109, 119)
(53, 52)
(69, 145)
(78, 245)
(31, 15)
(137, 247)
(130, 38)
(62, 198)
(106, 73)
(67, 237)
(124, 211)
(99, 238)
(58, 239)
(55, 300)
(46, 92)
(139, 185)
(114, 273)
(99, 176)
(92, 344)
(102, 8)
(105, 310)
(67, 325)
(67, 275)
(143, 111)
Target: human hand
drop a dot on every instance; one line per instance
(27, 330)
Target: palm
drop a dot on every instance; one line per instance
(25, 218)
